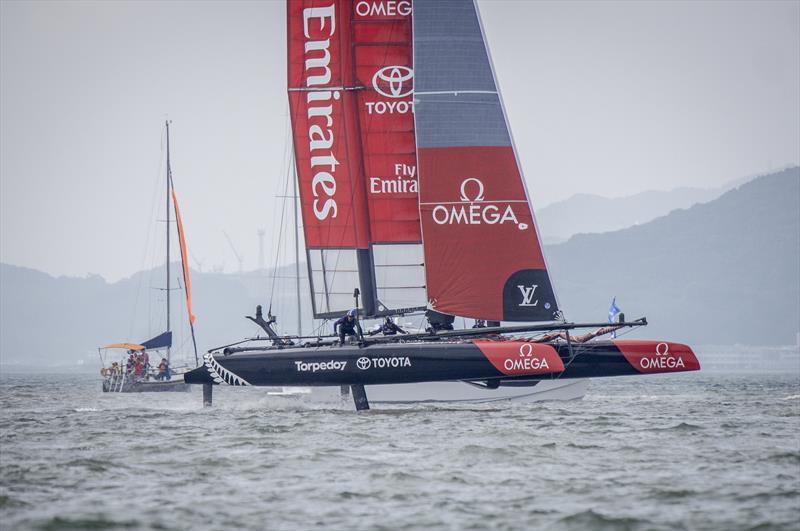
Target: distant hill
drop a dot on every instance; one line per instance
(58, 321)
(723, 272)
(592, 214)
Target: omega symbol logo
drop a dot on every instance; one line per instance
(478, 188)
(474, 209)
(662, 349)
(393, 81)
(363, 363)
(526, 350)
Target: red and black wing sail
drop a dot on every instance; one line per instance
(327, 150)
(350, 90)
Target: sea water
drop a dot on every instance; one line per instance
(685, 451)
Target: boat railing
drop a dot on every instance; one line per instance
(115, 381)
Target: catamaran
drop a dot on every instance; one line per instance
(413, 201)
(134, 367)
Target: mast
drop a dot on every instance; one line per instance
(169, 180)
(295, 199)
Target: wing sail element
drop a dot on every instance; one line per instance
(349, 87)
(483, 256)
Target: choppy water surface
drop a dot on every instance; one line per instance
(688, 451)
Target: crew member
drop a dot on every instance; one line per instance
(348, 326)
(439, 321)
(388, 328)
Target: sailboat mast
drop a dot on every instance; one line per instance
(169, 179)
(295, 199)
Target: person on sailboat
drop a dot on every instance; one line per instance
(348, 326)
(388, 328)
(145, 365)
(163, 370)
(438, 321)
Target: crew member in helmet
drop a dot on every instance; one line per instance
(388, 328)
(348, 326)
(439, 321)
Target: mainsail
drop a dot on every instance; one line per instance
(483, 255)
(349, 86)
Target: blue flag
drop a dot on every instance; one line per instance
(613, 310)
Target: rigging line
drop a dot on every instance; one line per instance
(148, 235)
(280, 240)
(277, 239)
(329, 228)
(322, 324)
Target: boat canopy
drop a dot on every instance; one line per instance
(127, 346)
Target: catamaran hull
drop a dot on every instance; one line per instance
(493, 364)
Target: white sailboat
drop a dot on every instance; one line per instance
(128, 367)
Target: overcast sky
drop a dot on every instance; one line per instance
(610, 98)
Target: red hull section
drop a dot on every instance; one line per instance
(658, 356)
(520, 358)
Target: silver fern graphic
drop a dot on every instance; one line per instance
(220, 374)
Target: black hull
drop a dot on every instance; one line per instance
(489, 363)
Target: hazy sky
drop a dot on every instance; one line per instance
(609, 98)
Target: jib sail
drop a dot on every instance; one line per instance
(482, 252)
(350, 100)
